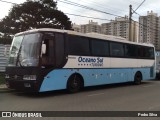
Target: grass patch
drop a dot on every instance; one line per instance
(2, 80)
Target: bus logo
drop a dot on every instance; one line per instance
(88, 61)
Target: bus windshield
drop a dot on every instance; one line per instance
(25, 50)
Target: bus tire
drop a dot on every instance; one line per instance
(75, 83)
(138, 78)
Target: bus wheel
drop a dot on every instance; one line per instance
(138, 78)
(74, 84)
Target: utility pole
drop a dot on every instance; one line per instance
(130, 22)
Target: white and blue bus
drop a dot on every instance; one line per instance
(49, 59)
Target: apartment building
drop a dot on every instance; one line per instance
(149, 29)
(120, 27)
(91, 27)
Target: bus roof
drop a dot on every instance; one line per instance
(91, 35)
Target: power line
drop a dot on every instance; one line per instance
(87, 16)
(136, 12)
(78, 5)
(72, 3)
(130, 17)
(65, 13)
(7, 2)
(86, 7)
(133, 2)
(110, 20)
(107, 7)
(75, 4)
(139, 6)
(145, 25)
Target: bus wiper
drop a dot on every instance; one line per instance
(18, 57)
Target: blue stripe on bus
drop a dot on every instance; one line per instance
(57, 79)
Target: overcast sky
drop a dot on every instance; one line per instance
(116, 7)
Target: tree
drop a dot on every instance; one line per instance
(34, 14)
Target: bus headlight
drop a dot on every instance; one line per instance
(157, 71)
(29, 77)
(7, 76)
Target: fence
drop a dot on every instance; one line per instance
(3, 57)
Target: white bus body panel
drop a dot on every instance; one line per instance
(106, 62)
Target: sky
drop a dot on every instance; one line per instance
(116, 7)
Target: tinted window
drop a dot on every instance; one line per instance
(59, 41)
(141, 52)
(149, 52)
(78, 45)
(99, 48)
(131, 51)
(146, 52)
(116, 49)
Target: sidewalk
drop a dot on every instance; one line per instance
(2, 86)
(4, 89)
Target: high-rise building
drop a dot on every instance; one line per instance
(91, 27)
(120, 27)
(149, 29)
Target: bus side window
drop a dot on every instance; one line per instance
(116, 49)
(78, 45)
(99, 48)
(59, 49)
(141, 52)
(131, 51)
(150, 53)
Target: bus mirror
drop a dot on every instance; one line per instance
(43, 48)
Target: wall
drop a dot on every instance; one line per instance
(3, 58)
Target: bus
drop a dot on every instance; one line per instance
(157, 64)
(48, 59)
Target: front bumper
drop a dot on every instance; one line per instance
(23, 85)
(15, 78)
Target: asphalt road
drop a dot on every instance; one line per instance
(117, 97)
